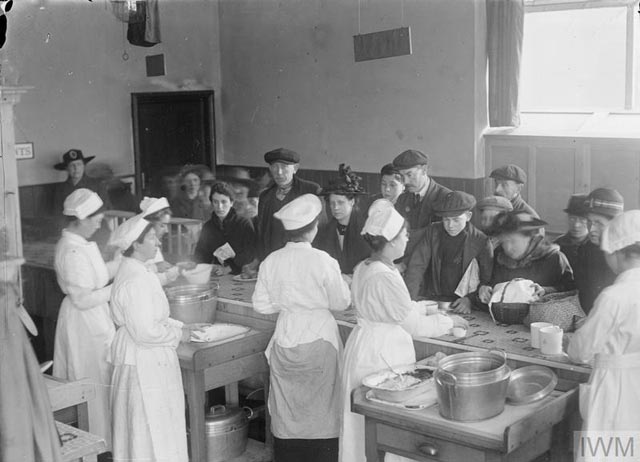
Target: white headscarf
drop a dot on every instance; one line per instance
(621, 232)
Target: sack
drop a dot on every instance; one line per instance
(562, 309)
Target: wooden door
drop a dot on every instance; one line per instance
(171, 129)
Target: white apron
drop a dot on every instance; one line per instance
(84, 334)
(366, 347)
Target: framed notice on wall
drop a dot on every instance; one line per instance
(24, 151)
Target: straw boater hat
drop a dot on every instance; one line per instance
(81, 203)
(347, 183)
(70, 156)
(299, 212)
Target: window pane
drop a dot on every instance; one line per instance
(574, 59)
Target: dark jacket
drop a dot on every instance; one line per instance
(592, 274)
(543, 263)
(427, 256)
(235, 230)
(355, 248)
(270, 230)
(519, 205)
(421, 215)
(569, 246)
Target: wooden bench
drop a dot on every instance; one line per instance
(79, 445)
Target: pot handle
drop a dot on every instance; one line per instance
(441, 372)
(429, 449)
(501, 352)
(249, 412)
(217, 407)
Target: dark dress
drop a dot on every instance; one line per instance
(270, 231)
(592, 274)
(419, 214)
(355, 248)
(237, 231)
(430, 274)
(569, 246)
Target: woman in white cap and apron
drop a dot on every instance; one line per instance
(609, 339)
(157, 211)
(85, 329)
(147, 394)
(387, 320)
(303, 284)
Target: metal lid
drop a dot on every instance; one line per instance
(530, 383)
(222, 419)
(192, 292)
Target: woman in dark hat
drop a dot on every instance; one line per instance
(73, 161)
(578, 231)
(341, 237)
(525, 253)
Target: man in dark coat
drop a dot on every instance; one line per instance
(509, 181)
(283, 165)
(592, 273)
(446, 252)
(578, 232)
(421, 193)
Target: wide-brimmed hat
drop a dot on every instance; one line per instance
(604, 201)
(575, 206)
(515, 221)
(238, 175)
(70, 156)
(347, 183)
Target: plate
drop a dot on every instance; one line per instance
(377, 381)
(239, 278)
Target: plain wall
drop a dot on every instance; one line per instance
(71, 53)
(289, 79)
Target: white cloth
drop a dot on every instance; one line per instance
(470, 280)
(148, 398)
(387, 322)
(85, 330)
(610, 340)
(621, 232)
(302, 284)
(515, 291)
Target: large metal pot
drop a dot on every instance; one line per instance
(472, 386)
(227, 431)
(193, 303)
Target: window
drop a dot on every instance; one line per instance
(580, 55)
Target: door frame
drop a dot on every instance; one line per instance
(137, 99)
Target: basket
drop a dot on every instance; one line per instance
(508, 313)
(561, 309)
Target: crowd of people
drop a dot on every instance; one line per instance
(319, 249)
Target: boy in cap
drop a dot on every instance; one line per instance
(578, 232)
(283, 166)
(453, 257)
(592, 273)
(421, 193)
(509, 180)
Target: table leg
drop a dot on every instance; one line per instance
(194, 389)
(268, 436)
(371, 441)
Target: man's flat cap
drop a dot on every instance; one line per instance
(409, 159)
(284, 155)
(510, 172)
(495, 203)
(454, 203)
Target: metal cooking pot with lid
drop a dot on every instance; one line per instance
(227, 431)
(472, 386)
(193, 303)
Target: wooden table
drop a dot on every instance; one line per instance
(519, 434)
(206, 366)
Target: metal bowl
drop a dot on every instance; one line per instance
(529, 384)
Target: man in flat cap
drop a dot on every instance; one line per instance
(592, 273)
(73, 161)
(453, 258)
(509, 180)
(421, 192)
(283, 165)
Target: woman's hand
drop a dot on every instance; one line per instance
(459, 321)
(461, 306)
(538, 290)
(219, 270)
(484, 293)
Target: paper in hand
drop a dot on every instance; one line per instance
(224, 252)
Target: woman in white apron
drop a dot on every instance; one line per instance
(85, 329)
(610, 337)
(147, 394)
(157, 211)
(387, 320)
(303, 284)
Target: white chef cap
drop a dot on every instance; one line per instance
(125, 234)
(81, 203)
(383, 220)
(621, 232)
(151, 205)
(299, 212)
